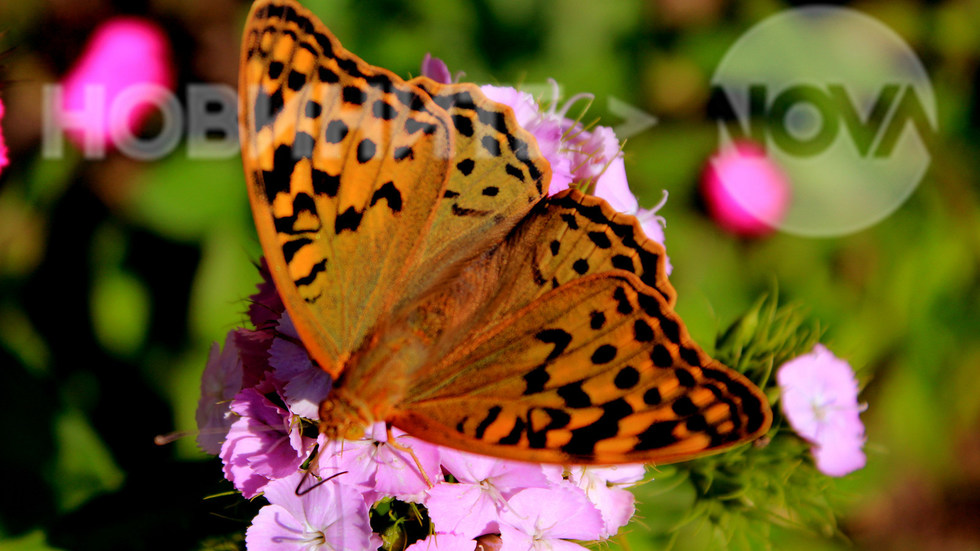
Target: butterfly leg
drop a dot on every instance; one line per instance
(409, 451)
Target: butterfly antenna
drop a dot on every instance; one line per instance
(309, 468)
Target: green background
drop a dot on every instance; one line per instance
(117, 274)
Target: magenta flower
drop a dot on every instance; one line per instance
(221, 381)
(472, 506)
(819, 398)
(263, 444)
(124, 70)
(544, 518)
(4, 161)
(745, 192)
(331, 516)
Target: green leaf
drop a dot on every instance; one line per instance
(84, 467)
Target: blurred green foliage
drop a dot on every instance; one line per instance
(116, 275)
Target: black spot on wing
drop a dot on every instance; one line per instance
(267, 107)
(390, 194)
(350, 220)
(314, 271)
(353, 95)
(584, 439)
(466, 166)
(557, 337)
(492, 414)
(574, 396)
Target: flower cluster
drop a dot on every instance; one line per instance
(819, 398)
(258, 411)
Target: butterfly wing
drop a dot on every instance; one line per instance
(579, 363)
(347, 168)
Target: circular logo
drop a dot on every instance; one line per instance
(840, 103)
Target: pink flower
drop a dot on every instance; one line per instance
(330, 516)
(221, 381)
(444, 542)
(819, 398)
(4, 161)
(472, 506)
(540, 519)
(605, 487)
(124, 70)
(380, 469)
(262, 445)
(745, 191)
(304, 384)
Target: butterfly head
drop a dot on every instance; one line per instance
(343, 418)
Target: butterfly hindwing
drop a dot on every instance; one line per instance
(600, 370)
(575, 356)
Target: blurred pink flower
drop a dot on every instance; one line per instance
(330, 516)
(819, 398)
(4, 161)
(545, 518)
(262, 445)
(126, 59)
(221, 381)
(745, 192)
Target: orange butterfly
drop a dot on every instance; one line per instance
(408, 231)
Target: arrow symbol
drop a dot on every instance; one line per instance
(635, 120)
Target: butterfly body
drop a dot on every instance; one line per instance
(408, 231)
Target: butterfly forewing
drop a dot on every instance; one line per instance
(346, 163)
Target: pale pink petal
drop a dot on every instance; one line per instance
(443, 542)
(613, 187)
(552, 514)
(502, 474)
(330, 516)
(605, 488)
(463, 508)
(840, 456)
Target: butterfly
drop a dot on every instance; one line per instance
(408, 230)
